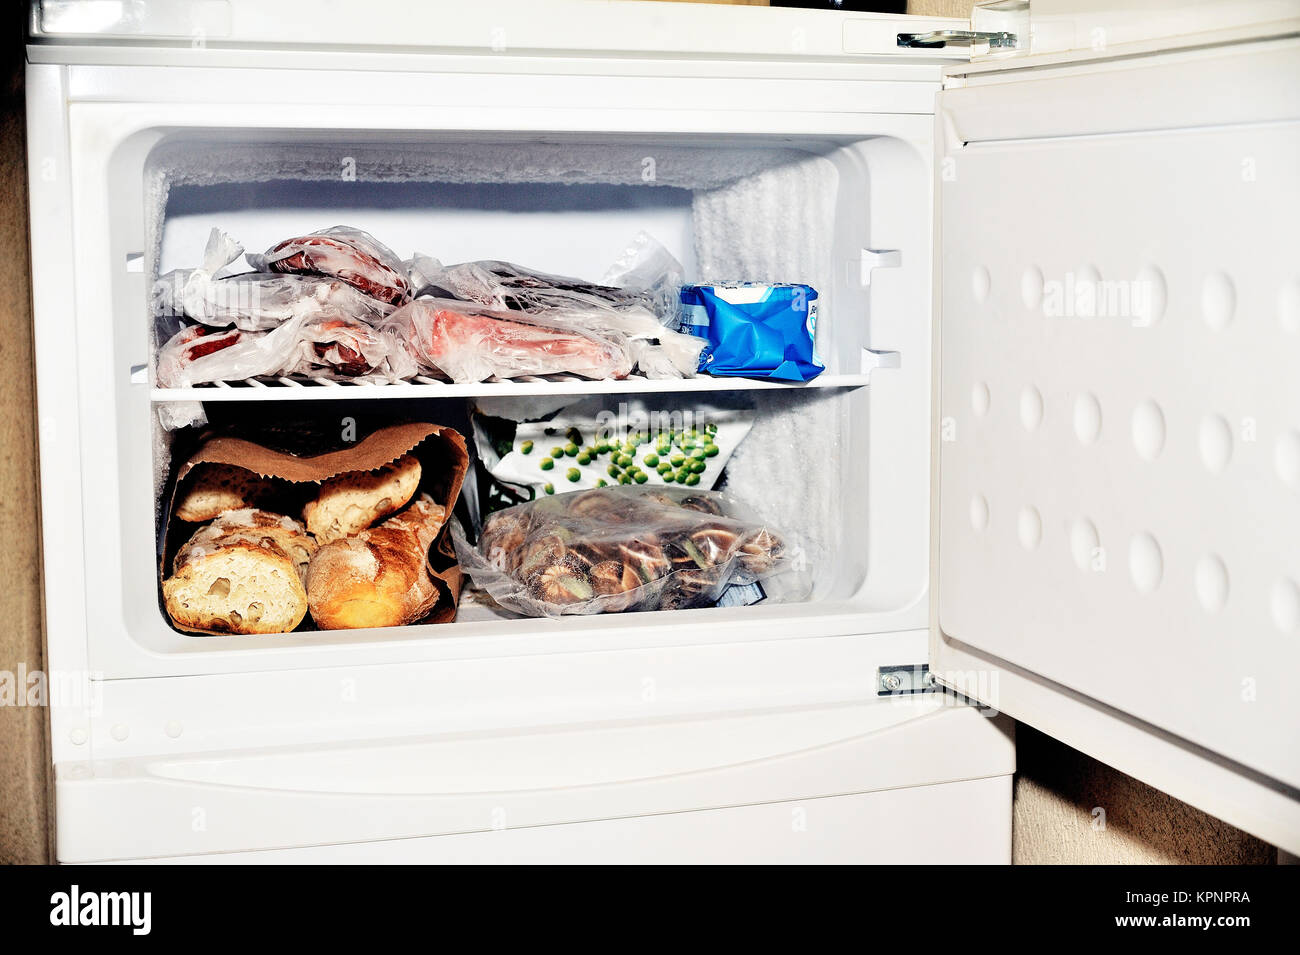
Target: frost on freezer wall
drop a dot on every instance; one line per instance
(776, 225)
(204, 162)
(788, 470)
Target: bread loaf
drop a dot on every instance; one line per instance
(353, 501)
(380, 577)
(212, 489)
(243, 573)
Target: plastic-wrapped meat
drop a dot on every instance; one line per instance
(356, 257)
(513, 287)
(317, 346)
(344, 347)
(258, 301)
(612, 549)
(254, 301)
(199, 354)
(469, 344)
(635, 315)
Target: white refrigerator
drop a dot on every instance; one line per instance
(1051, 472)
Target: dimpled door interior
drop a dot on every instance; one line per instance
(1119, 422)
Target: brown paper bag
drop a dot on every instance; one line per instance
(443, 463)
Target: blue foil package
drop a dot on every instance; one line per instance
(754, 330)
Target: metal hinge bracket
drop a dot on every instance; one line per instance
(938, 39)
(906, 678)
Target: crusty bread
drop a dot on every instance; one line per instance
(243, 573)
(353, 501)
(380, 577)
(212, 489)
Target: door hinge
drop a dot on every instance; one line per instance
(938, 39)
(905, 678)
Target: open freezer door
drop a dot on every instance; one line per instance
(1116, 531)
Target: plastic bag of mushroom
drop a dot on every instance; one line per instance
(613, 549)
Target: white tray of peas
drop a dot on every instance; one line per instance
(586, 446)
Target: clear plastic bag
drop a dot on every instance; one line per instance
(646, 266)
(639, 313)
(466, 343)
(514, 288)
(342, 348)
(254, 301)
(318, 346)
(615, 549)
(349, 254)
(198, 354)
(609, 439)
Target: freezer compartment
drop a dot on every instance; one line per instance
(846, 464)
(756, 209)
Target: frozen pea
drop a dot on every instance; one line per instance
(697, 467)
(699, 453)
(683, 476)
(557, 452)
(546, 463)
(584, 458)
(601, 482)
(641, 477)
(677, 459)
(526, 448)
(548, 488)
(711, 451)
(651, 460)
(624, 479)
(624, 460)
(664, 467)
(692, 480)
(573, 474)
(612, 470)
(571, 449)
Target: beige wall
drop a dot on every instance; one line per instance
(24, 830)
(1057, 789)
(1072, 809)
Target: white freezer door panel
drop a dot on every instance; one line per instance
(1118, 434)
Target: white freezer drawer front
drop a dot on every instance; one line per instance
(962, 823)
(169, 806)
(1118, 434)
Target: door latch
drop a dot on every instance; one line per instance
(938, 39)
(907, 678)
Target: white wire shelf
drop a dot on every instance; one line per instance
(315, 389)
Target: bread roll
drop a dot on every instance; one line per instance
(212, 489)
(380, 577)
(243, 573)
(353, 501)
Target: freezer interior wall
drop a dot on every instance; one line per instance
(788, 211)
